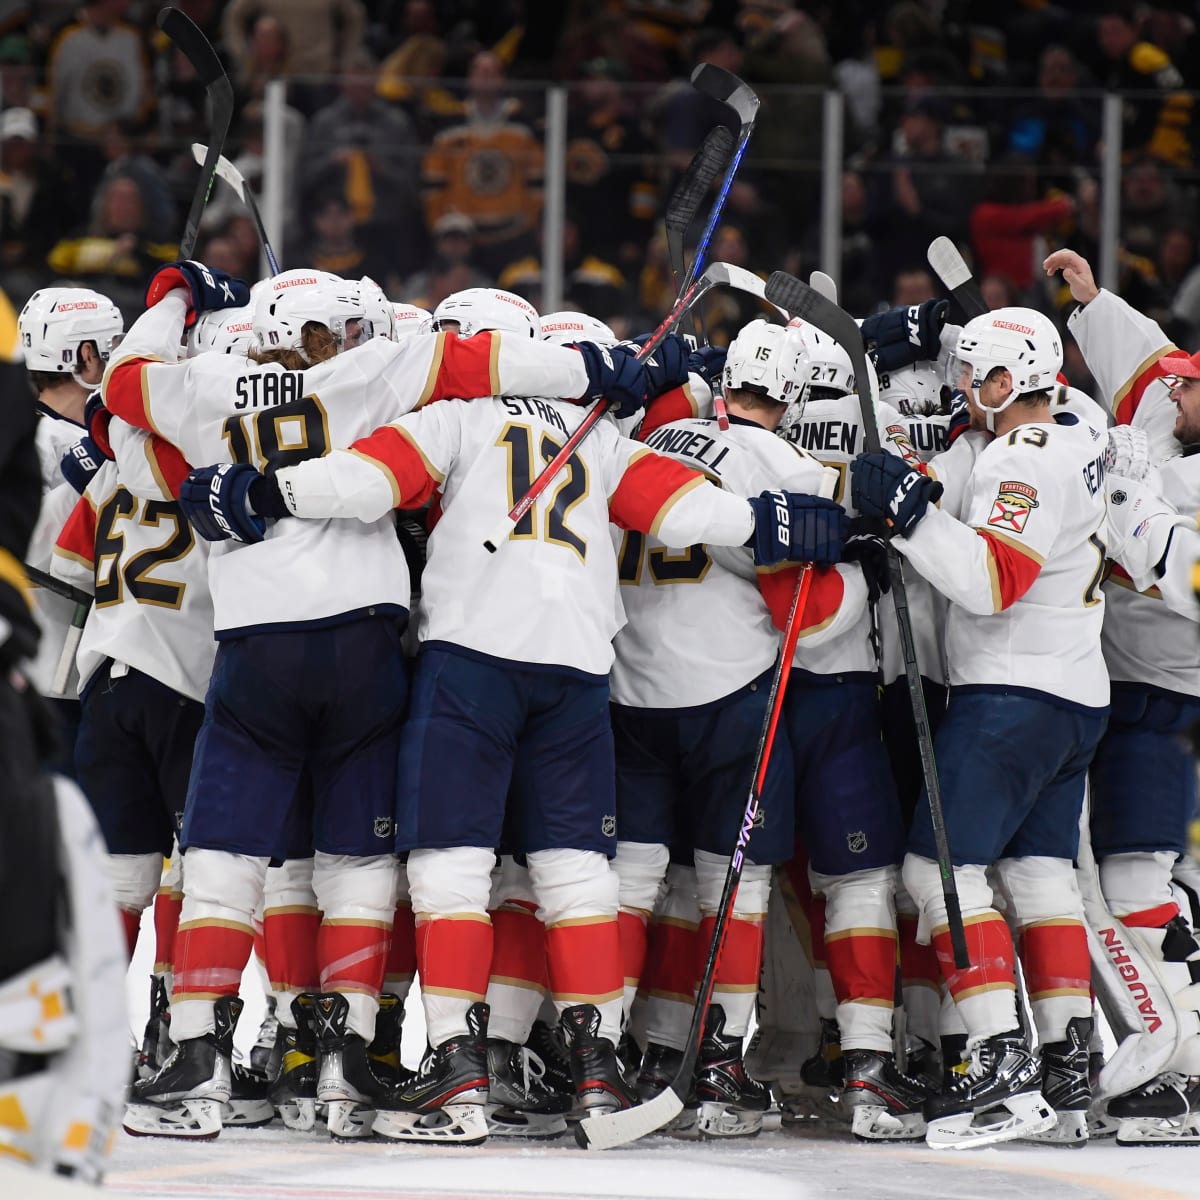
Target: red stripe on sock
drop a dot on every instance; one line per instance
(862, 966)
(130, 922)
(918, 964)
(455, 955)
(290, 950)
(519, 945)
(166, 925)
(990, 950)
(1055, 958)
(402, 953)
(585, 960)
(634, 933)
(670, 960)
(351, 956)
(210, 958)
(741, 955)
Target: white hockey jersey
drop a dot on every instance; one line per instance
(152, 611)
(217, 408)
(1149, 633)
(1021, 561)
(1121, 348)
(548, 596)
(53, 613)
(703, 621)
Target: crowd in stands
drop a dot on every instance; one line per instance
(414, 141)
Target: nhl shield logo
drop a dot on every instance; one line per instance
(608, 826)
(383, 827)
(856, 842)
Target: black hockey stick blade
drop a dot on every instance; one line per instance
(197, 49)
(710, 160)
(951, 268)
(805, 302)
(728, 88)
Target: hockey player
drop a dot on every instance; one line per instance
(67, 335)
(686, 708)
(833, 717)
(320, 595)
(1020, 560)
(510, 701)
(475, 310)
(1143, 783)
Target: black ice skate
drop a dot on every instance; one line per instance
(444, 1101)
(885, 1103)
(384, 1051)
(730, 1103)
(249, 1104)
(660, 1065)
(262, 1052)
(997, 1098)
(824, 1070)
(520, 1101)
(599, 1085)
(1165, 1111)
(156, 1040)
(346, 1085)
(294, 1090)
(546, 1041)
(821, 1074)
(184, 1098)
(1066, 1085)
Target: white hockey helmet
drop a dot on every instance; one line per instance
(222, 331)
(294, 298)
(766, 359)
(913, 390)
(476, 309)
(410, 319)
(1021, 340)
(565, 328)
(378, 309)
(55, 323)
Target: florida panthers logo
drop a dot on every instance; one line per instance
(1012, 506)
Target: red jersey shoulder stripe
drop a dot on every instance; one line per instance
(77, 540)
(651, 485)
(1129, 396)
(1012, 568)
(463, 368)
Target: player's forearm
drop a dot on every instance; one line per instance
(346, 484)
(705, 514)
(970, 568)
(952, 469)
(153, 337)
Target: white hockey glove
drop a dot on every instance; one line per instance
(1127, 453)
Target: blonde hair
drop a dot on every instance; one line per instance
(318, 344)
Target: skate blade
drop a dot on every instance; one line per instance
(299, 1115)
(349, 1120)
(454, 1124)
(1101, 1125)
(196, 1119)
(1023, 1115)
(716, 1120)
(1070, 1130)
(811, 1104)
(1160, 1131)
(247, 1114)
(532, 1127)
(873, 1123)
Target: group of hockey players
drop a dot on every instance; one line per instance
(520, 775)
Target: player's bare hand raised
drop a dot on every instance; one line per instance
(1076, 271)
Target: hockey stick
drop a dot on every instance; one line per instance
(616, 1129)
(83, 605)
(951, 268)
(236, 180)
(717, 273)
(691, 189)
(803, 301)
(60, 587)
(730, 90)
(197, 49)
(820, 282)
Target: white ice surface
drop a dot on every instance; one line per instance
(808, 1162)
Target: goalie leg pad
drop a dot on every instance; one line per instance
(1047, 909)
(577, 891)
(1139, 883)
(357, 898)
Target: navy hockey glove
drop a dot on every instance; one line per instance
(80, 464)
(230, 502)
(668, 366)
(209, 288)
(883, 485)
(867, 546)
(615, 374)
(796, 527)
(902, 336)
(960, 416)
(709, 363)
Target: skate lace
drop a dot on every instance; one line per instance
(532, 1067)
(1168, 1081)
